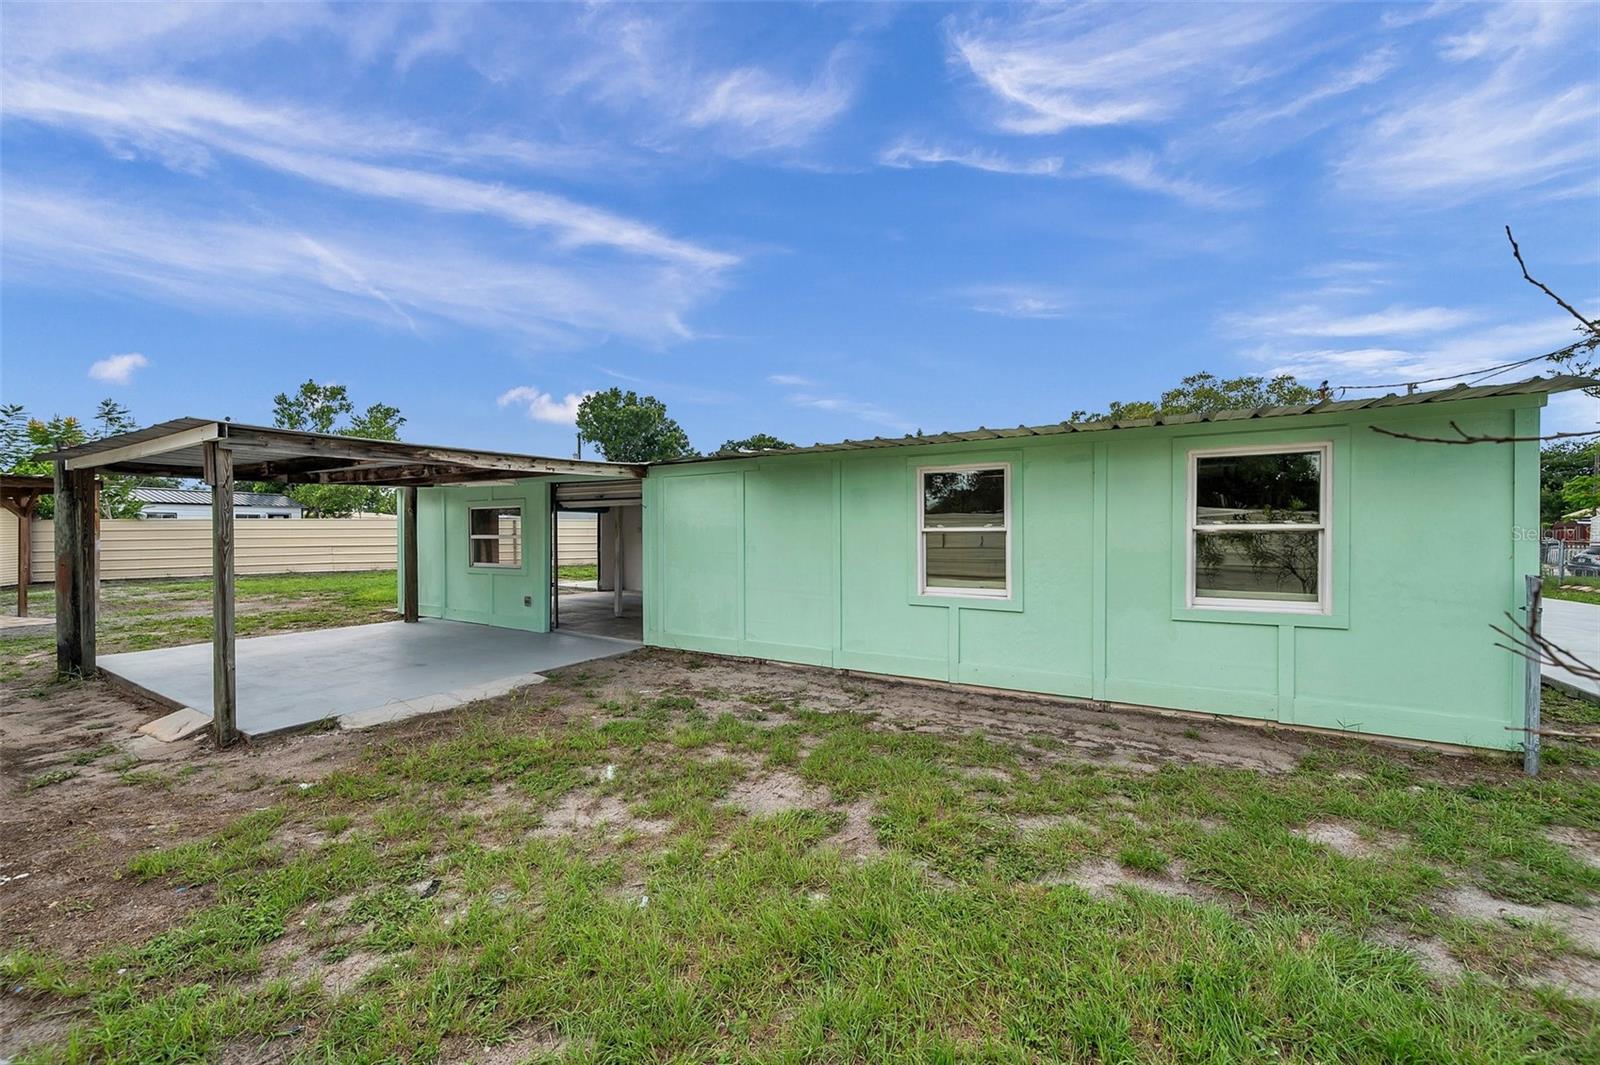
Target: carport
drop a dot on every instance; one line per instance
(220, 452)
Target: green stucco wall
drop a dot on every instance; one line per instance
(811, 558)
(449, 588)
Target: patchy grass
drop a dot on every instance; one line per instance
(579, 573)
(141, 615)
(677, 876)
(1574, 589)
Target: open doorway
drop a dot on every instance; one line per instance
(607, 517)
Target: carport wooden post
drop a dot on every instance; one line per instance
(409, 610)
(77, 581)
(224, 691)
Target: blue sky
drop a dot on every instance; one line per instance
(816, 221)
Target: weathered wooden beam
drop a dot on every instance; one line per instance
(292, 444)
(410, 581)
(77, 578)
(158, 445)
(224, 687)
(417, 474)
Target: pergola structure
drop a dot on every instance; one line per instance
(220, 452)
(20, 495)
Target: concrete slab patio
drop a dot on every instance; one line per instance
(363, 674)
(1575, 627)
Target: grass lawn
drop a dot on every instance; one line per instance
(1576, 589)
(579, 573)
(670, 857)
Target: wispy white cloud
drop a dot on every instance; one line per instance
(117, 369)
(1016, 300)
(871, 413)
(1522, 112)
(1056, 68)
(764, 111)
(183, 124)
(542, 406)
(906, 154)
(790, 380)
(1317, 321)
(1367, 70)
(275, 267)
(1141, 170)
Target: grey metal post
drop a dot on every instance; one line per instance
(1530, 743)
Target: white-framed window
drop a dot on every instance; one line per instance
(964, 530)
(1259, 528)
(494, 537)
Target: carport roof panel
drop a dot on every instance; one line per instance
(177, 448)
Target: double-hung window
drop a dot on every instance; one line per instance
(964, 530)
(494, 537)
(1258, 528)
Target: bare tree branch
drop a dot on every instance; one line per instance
(1537, 647)
(1591, 326)
(1463, 437)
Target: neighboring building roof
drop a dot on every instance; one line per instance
(1532, 386)
(202, 497)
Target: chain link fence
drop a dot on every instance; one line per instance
(1569, 558)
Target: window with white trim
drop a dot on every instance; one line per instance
(1258, 528)
(494, 537)
(964, 530)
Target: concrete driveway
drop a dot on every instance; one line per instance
(1574, 627)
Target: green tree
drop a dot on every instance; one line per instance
(1203, 393)
(315, 408)
(312, 408)
(628, 427)
(1561, 462)
(23, 437)
(758, 442)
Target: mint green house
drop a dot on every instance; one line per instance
(1294, 565)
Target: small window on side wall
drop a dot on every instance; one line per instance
(1258, 529)
(964, 531)
(494, 537)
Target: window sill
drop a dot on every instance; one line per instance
(969, 602)
(1298, 619)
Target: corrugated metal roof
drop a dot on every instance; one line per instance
(202, 497)
(1458, 393)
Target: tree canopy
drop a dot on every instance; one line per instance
(22, 437)
(1203, 393)
(757, 442)
(1568, 478)
(317, 408)
(628, 427)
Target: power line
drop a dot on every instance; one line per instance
(1485, 371)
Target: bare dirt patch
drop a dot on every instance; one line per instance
(857, 839)
(1105, 877)
(526, 1046)
(1584, 844)
(763, 796)
(1434, 957)
(1346, 840)
(580, 812)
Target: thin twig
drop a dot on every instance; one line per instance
(1537, 647)
(1465, 438)
(1591, 326)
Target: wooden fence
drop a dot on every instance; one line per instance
(133, 548)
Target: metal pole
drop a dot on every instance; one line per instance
(1530, 743)
(616, 564)
(555, 565)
